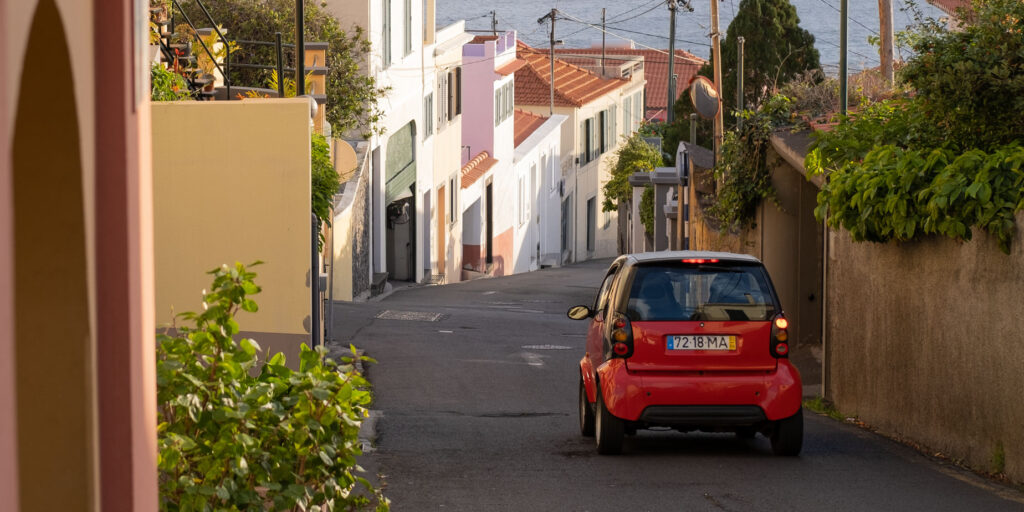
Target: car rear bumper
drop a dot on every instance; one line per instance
(724, 398)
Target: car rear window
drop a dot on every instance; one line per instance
(669, 291)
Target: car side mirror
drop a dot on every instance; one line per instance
(580, 312)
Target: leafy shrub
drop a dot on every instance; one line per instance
(743, 168)
(946, 159)
(896, 194)
(634, 155)
(166, 85)
(280, 440)
(325, 181)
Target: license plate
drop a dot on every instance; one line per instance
(702, 342)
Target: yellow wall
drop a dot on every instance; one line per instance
(345, 162)
(231, 182)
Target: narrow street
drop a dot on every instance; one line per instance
(476, 391)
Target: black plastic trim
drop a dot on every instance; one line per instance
(703, 415)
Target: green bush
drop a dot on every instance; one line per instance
(279, 440)
(743, 169)
(633, 155)
(166, 85)
(325, 181)
(946, 159)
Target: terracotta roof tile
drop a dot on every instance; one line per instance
(950, 6)
(655, 71)
(525, 124)
(476, 168)
(511, 67)
(574, 86)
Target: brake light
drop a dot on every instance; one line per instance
(780, 337)
(621, 337)
(699, 261)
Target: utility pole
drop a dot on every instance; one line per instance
(603, 34)
(551, 55)
(842, 57)
(885, 32)
(670, 114)
(300, 50)
(716, 55)
(494, 22)
(739, 84)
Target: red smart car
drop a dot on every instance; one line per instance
(692, 341)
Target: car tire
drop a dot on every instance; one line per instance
(586, 413)
(788, 435)
(608, 430)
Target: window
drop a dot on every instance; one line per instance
(602, 135)
(408, 27)
(428, 116)
(591, 223)
(602, 294)
(522, 200)
(453, 201)
(638, 109)
(442, 99)
(450, 104)
(587, 141)
(675, 291)
(458, 91)
(627, 115)
(385, 43)
(534, 185)
(497, 106)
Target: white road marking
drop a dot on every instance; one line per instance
(533, 359)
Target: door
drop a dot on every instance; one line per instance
(489, 234)
(442, 232)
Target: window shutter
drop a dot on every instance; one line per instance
(458, 91)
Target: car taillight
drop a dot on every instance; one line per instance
(780, 337)
(700, 261)
(621, 337)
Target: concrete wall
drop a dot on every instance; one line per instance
(231, 183)
(77, 138)
(923, 340)
(350, 234)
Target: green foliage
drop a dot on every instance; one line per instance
(776, 50)
(280, 440)
(969, 83)
(743, 168)
(634, 155)
(352, 95)
(946, 159)
(166, 85)
(823, 407)
(325, 181)
(647, 210)
(897, 194)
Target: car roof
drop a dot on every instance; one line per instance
(644, 257)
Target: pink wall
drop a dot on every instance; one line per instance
(8, 444)
(478, 98)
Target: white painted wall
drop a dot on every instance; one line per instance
(536, 162)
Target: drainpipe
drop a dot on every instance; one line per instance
(825, 381)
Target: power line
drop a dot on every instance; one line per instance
(656, 4)
(613, 22)
(834, 8)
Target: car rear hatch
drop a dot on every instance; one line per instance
(701, 315)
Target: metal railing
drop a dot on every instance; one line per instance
(225, 71)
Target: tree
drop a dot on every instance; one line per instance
(351, 94)
(776, 50)
(632, 156)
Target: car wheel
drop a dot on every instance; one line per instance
(586, 413)
(788, 435)
(608, 429)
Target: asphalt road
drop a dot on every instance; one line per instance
(476, 391)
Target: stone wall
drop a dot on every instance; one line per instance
(924, 341)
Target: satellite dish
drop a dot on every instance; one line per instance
(705, 97)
